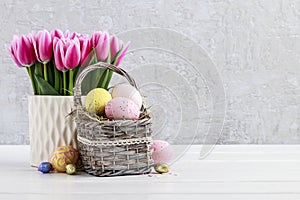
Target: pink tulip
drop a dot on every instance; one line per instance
(57, 33)
(122, 54)
(70, 35)
(100, 41)
(102, 47)
(67, 53)
(12, 50)
(43, 46)
(86, 49)
(95, 38)
(115, 46)
(22, 50)
(82, 38)
(84, 41)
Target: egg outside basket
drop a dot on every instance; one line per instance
(112, 148)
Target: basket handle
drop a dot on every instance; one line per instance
(77, 88)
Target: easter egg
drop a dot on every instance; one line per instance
(63, 156)
(162, 151)
(96, 101)
(128, 91)
(70, 169)
(121, 108)
(45, 167)
(161, 168)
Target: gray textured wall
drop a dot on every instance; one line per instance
(255, 46)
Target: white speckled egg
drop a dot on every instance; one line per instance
(121, 108)
(128, 91)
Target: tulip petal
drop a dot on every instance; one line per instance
(103, 47)
(72, 56)
(73, 35)
(45, 46)
(62, 53)
(12, 54)
(86, 54)
(55, 40)
(95, 38)
(25, 51)
(114, 46)
(122, 54)
(57, 56)
(57, 34)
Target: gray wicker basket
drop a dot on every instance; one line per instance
(112, 147)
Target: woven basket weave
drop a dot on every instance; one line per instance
(115, 147)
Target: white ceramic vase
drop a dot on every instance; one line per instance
(49, 126)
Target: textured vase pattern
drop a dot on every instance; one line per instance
(49, 126)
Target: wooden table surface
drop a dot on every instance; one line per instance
(229, 172)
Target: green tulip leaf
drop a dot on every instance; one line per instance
(50, 72)
(44, 88)
(57, 79)
(38, 70)
(110, 73)
(103, 79)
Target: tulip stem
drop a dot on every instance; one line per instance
(31, 78)
(65, 82)
(71, 81)
(56, 79)
(45, 72)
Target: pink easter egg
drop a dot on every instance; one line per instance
(121, 108)
(162, 151)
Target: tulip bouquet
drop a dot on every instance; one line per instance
(53, 59)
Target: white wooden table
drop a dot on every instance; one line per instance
(229, 172)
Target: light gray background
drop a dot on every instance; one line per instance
(255, 46)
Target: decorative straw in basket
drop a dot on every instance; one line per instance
(116, 147)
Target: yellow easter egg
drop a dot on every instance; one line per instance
(96, 101)
(70, 169)
(63, 156)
